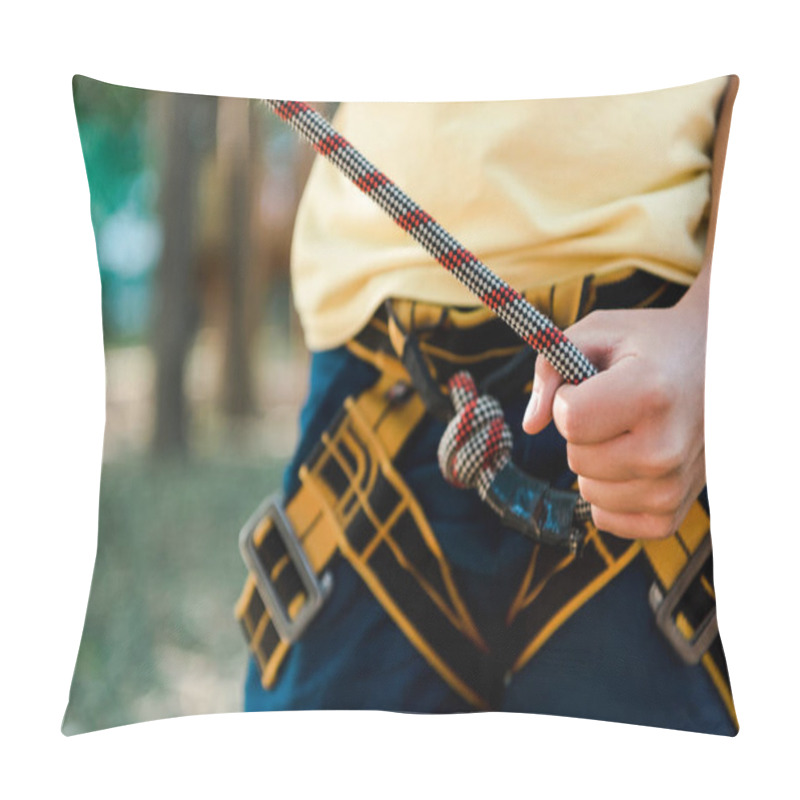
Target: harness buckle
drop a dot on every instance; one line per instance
(690, 650)
(316, 589)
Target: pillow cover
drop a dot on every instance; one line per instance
(425, 553)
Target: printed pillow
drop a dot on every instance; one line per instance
(333, 357)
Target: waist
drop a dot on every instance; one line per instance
(448, 339)
(444, 339)
(334, 303)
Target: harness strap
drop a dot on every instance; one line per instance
(684, 581)
(467, 332)
(474, 449)
(352, 501)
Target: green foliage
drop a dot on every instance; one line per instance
(112, 126)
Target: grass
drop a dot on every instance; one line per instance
(160, 639)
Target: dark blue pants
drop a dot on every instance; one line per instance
(608, 661)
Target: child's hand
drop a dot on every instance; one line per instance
(634, 431)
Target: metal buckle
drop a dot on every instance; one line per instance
(317, 589)
(690, 650)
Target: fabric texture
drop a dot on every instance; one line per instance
(542, 191)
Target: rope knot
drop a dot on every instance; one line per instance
(477, 442)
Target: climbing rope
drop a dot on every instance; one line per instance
(526, 321)
(477, 443)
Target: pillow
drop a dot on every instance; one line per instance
(407, 545)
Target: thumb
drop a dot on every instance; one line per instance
(540, 406)
(596, 336)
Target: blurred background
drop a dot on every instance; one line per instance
(193, 201)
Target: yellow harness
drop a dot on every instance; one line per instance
(353, 501)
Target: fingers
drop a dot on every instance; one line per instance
(634, 431)
(625, 458)
(605, 406)
(595, 336)
(659, 497)
(539, 411)
(645, 508)
(634, 526)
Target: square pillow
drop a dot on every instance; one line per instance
(287, 362)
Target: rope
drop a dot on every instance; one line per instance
(527, 322)
(478, 441)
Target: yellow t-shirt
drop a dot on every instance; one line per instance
(541, 191)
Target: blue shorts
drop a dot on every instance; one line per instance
(608, 661)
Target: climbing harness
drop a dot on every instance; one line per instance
(352, 501)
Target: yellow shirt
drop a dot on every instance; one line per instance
(541, 191)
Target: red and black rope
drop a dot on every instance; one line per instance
(529, 324)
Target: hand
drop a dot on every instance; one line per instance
(634, 431)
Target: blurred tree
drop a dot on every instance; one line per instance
(111, 126)
(111, 123)
(187, 128)
(237, 134)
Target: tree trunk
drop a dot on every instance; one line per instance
(185, 132)
(236, 152)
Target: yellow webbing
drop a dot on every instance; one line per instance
(365, 443)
